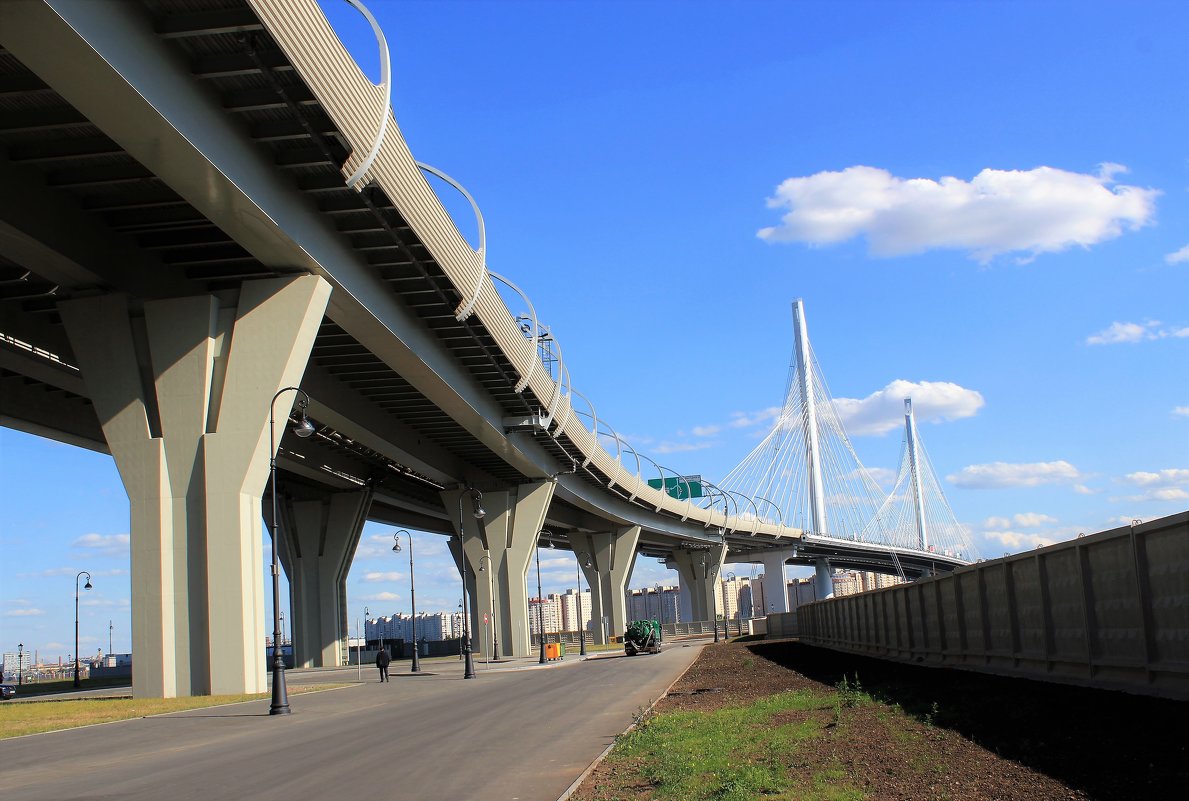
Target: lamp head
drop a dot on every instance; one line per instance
(587, 564)
(86, 586)
(305, 428)
(396, 547)
(477, 504)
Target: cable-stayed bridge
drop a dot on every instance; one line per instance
(807, 472)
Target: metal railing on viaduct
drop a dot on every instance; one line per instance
(1109, 610)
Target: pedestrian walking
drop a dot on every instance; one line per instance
(382, 660)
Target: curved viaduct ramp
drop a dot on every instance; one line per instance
(178, 242)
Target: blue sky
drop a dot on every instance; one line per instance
(986, 201)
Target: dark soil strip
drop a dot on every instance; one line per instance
(959, 735)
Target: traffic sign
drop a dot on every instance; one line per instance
(680, 488)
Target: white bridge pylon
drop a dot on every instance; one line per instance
(808, 469)
(916, 514)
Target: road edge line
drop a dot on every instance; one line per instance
(573, 788)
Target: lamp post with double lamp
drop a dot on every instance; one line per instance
(479, 513)
(540, 600)
(304, 428)
(578, 565)
(81, 573)
(494, 640)
(416, 667)
(726, 614)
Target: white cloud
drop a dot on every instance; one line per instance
(378, 576)
(1018, 541)
(706, 431)
(1129, 333)
(104, 544)
(1120, 332)
(681, 447)
(104, 602)
(1182, 411)
(380, 596)
(883, 476)
(1033, 519)
(1024, 520)
(1003, 474)
(1082, 489)
(998, 211)
(1164, 478)
(1161, 494)
(1179, 256)
(883, 411)
(23, 612)
(748, 419)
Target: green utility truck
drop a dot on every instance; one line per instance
(642, 636)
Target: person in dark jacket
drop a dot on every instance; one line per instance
(382, 660)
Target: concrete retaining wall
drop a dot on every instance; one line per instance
(1109, 610)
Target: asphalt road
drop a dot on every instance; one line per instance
(519, 735)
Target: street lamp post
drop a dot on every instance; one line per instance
(494, 640)
(479, 513)
(20, 663)
(581, 626)
(660, 608)
(282, 627)
(713, 596)
(416, 667)
(81, 573)
(726, 617)
(280, 697)
(540, 600)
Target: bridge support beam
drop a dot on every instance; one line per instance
(699, 572)
(776, 594)
(823, 579)
(612, 558)
(318, 542)
(182, 393)
(507, 539)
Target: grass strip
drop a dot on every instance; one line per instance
(731, 754)
(36, 717)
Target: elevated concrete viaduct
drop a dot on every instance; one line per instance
(178, 241)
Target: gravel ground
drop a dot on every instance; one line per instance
(943, 734)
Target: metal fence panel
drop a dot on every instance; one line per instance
(1110, 610)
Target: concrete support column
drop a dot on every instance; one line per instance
(506, 537)
(318, 542)
(612, 557)
(823, 579)
(699, 572)
(776, 595)
(182, 392)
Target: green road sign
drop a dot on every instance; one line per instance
(680, 488)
